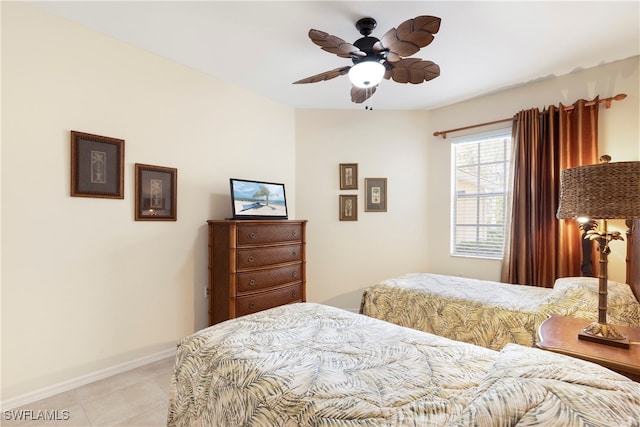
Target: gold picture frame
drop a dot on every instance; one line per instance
(375, 194)
(348, 176)
(348, 207)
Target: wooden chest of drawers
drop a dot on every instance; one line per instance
(255, 265)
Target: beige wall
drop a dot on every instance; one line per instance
(347, 256)
(85, 287)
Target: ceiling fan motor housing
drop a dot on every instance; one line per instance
(365, 44)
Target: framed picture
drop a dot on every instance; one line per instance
(348, 207)
(376, 194)
(348, 176)
(156, 193)
(97, 166)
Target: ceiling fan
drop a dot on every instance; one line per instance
(374, 59)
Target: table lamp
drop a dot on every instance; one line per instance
(608, 190)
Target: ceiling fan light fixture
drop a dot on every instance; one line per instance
(366, 74)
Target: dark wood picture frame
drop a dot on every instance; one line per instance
(156, 193)
(348, 176)
(375, 194)
(97, 166)
(348, 207)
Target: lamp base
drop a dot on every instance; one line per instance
(603, 333)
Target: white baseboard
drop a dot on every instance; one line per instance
(49, 391)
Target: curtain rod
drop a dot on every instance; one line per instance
(606, 101)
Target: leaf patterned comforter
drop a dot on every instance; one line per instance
(491, 314)
(313, 365)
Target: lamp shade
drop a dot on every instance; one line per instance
(366, 74)
(601, 191)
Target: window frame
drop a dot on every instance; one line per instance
(506, 162)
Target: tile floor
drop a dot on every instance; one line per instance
(136, 398)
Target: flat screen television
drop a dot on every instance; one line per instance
(257, 199)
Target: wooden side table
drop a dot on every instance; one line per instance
(560, 335)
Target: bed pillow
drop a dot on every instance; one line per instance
(617, 293)
(578, 297)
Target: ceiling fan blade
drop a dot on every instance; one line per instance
(359, 95)
(411, 35)
(327, 75)
(393, 57)
(402, 47)
(389, 56)
(333, 44)
(413, 70)
(430, 24)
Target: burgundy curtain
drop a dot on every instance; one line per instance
(538, 247)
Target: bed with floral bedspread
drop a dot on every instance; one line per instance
(307, 364)
(491, 314)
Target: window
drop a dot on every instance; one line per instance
(480, 174)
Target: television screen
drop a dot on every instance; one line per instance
(257, 199)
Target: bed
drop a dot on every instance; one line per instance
(493, 314)
(308, 364)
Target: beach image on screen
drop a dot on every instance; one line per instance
(258, 198)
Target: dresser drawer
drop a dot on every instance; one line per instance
(256, 234)
(261, 257)
(260, 279)
(251, 304)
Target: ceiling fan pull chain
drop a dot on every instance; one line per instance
(368, 98)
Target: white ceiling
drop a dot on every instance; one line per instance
(482, 47)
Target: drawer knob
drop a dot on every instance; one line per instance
(252, 282)
(294, 274)
(294, 294)
(294, 233)
(294, 253)
(252, 235)
(252, 305)
(250, 259)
